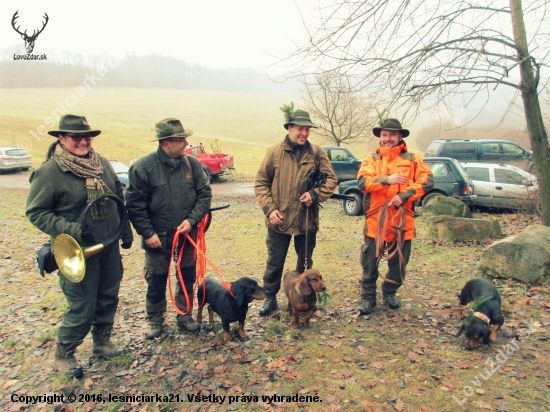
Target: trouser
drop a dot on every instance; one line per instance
(91, 303)
(155, 271)
(370, 270)
(277, 249)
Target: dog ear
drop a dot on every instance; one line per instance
(460, 330)
(239, 295)
(486, 334)
(303, 285)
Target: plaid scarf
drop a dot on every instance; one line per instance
(89, 168)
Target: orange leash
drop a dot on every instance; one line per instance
(200, 257)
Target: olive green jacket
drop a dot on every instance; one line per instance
(160, 195)
(57, 194)
(281, 181)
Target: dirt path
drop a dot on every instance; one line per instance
(220, 188)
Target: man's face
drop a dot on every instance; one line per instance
(298, 134)
(390, 138)
(174, 147)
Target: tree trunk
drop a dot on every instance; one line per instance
(533, 114)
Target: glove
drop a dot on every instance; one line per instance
(87, 236)
(126, 245)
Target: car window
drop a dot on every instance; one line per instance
(16, 152)
(508, 176)
(438, 168)
(479, 173)
(338, 155)
(489, 147)
(433, 147)
(452, 148)
(511, 149)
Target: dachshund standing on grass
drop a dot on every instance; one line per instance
(301, 290)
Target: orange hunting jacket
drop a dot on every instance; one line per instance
(372, 180)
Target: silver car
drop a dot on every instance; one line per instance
(14, 158)
(503, 186)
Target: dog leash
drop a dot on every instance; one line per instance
(388, 250)
(201, 258)
(305, 254)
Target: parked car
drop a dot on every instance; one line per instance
(450, 179)
(14, 158)
(503, 186)
(482, 150)
(344, 163)
(121, 171)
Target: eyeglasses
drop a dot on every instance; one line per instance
(79, 138)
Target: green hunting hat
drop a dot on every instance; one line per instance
(69, 123)
(390, 124)
(171, 128)
(300, 118)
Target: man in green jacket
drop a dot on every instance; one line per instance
(167, 192)
(281, 189)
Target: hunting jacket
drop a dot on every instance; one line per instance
(57, 199)
(281, 181)
(163, 192)
(372, 180)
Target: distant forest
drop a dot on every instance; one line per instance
(150, 71)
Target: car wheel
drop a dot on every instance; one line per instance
(353, 207)
(429, 197)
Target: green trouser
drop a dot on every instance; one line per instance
(155, 271)
(91, 303)
(370, 270)
(277, 249)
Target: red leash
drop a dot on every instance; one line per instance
(200, 257)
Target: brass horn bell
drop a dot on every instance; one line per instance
(71, 258)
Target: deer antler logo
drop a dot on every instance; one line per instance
(29, 40)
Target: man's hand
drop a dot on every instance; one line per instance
(397, 179)
(396, 201)
(153, 242)
(306, 199)
(275, 218)
(185, 227)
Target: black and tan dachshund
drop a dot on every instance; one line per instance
(483, 325)
(229, 308)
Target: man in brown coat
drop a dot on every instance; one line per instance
(283, 192)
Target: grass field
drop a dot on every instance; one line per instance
(245, 124)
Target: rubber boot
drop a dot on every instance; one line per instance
(270, 304)
(155, 318)
(103, 347)
(65, 361)
(186, 322)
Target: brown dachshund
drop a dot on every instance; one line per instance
(301, 291)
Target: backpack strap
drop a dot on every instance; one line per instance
(186, 158)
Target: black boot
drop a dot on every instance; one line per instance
(65, 362)
(270, 304)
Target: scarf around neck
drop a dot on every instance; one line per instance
(89, 168)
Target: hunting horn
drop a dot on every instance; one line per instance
(71, 258)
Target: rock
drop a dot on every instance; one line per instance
(449, 206)
(524, 257)
(462, 229)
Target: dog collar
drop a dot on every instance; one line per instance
(483, 317)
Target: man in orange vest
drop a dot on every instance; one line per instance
(396, 175)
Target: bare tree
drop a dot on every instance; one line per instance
(342, 115)
(433, 54)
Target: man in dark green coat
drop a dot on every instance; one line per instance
(72, 176)
(167, 193)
